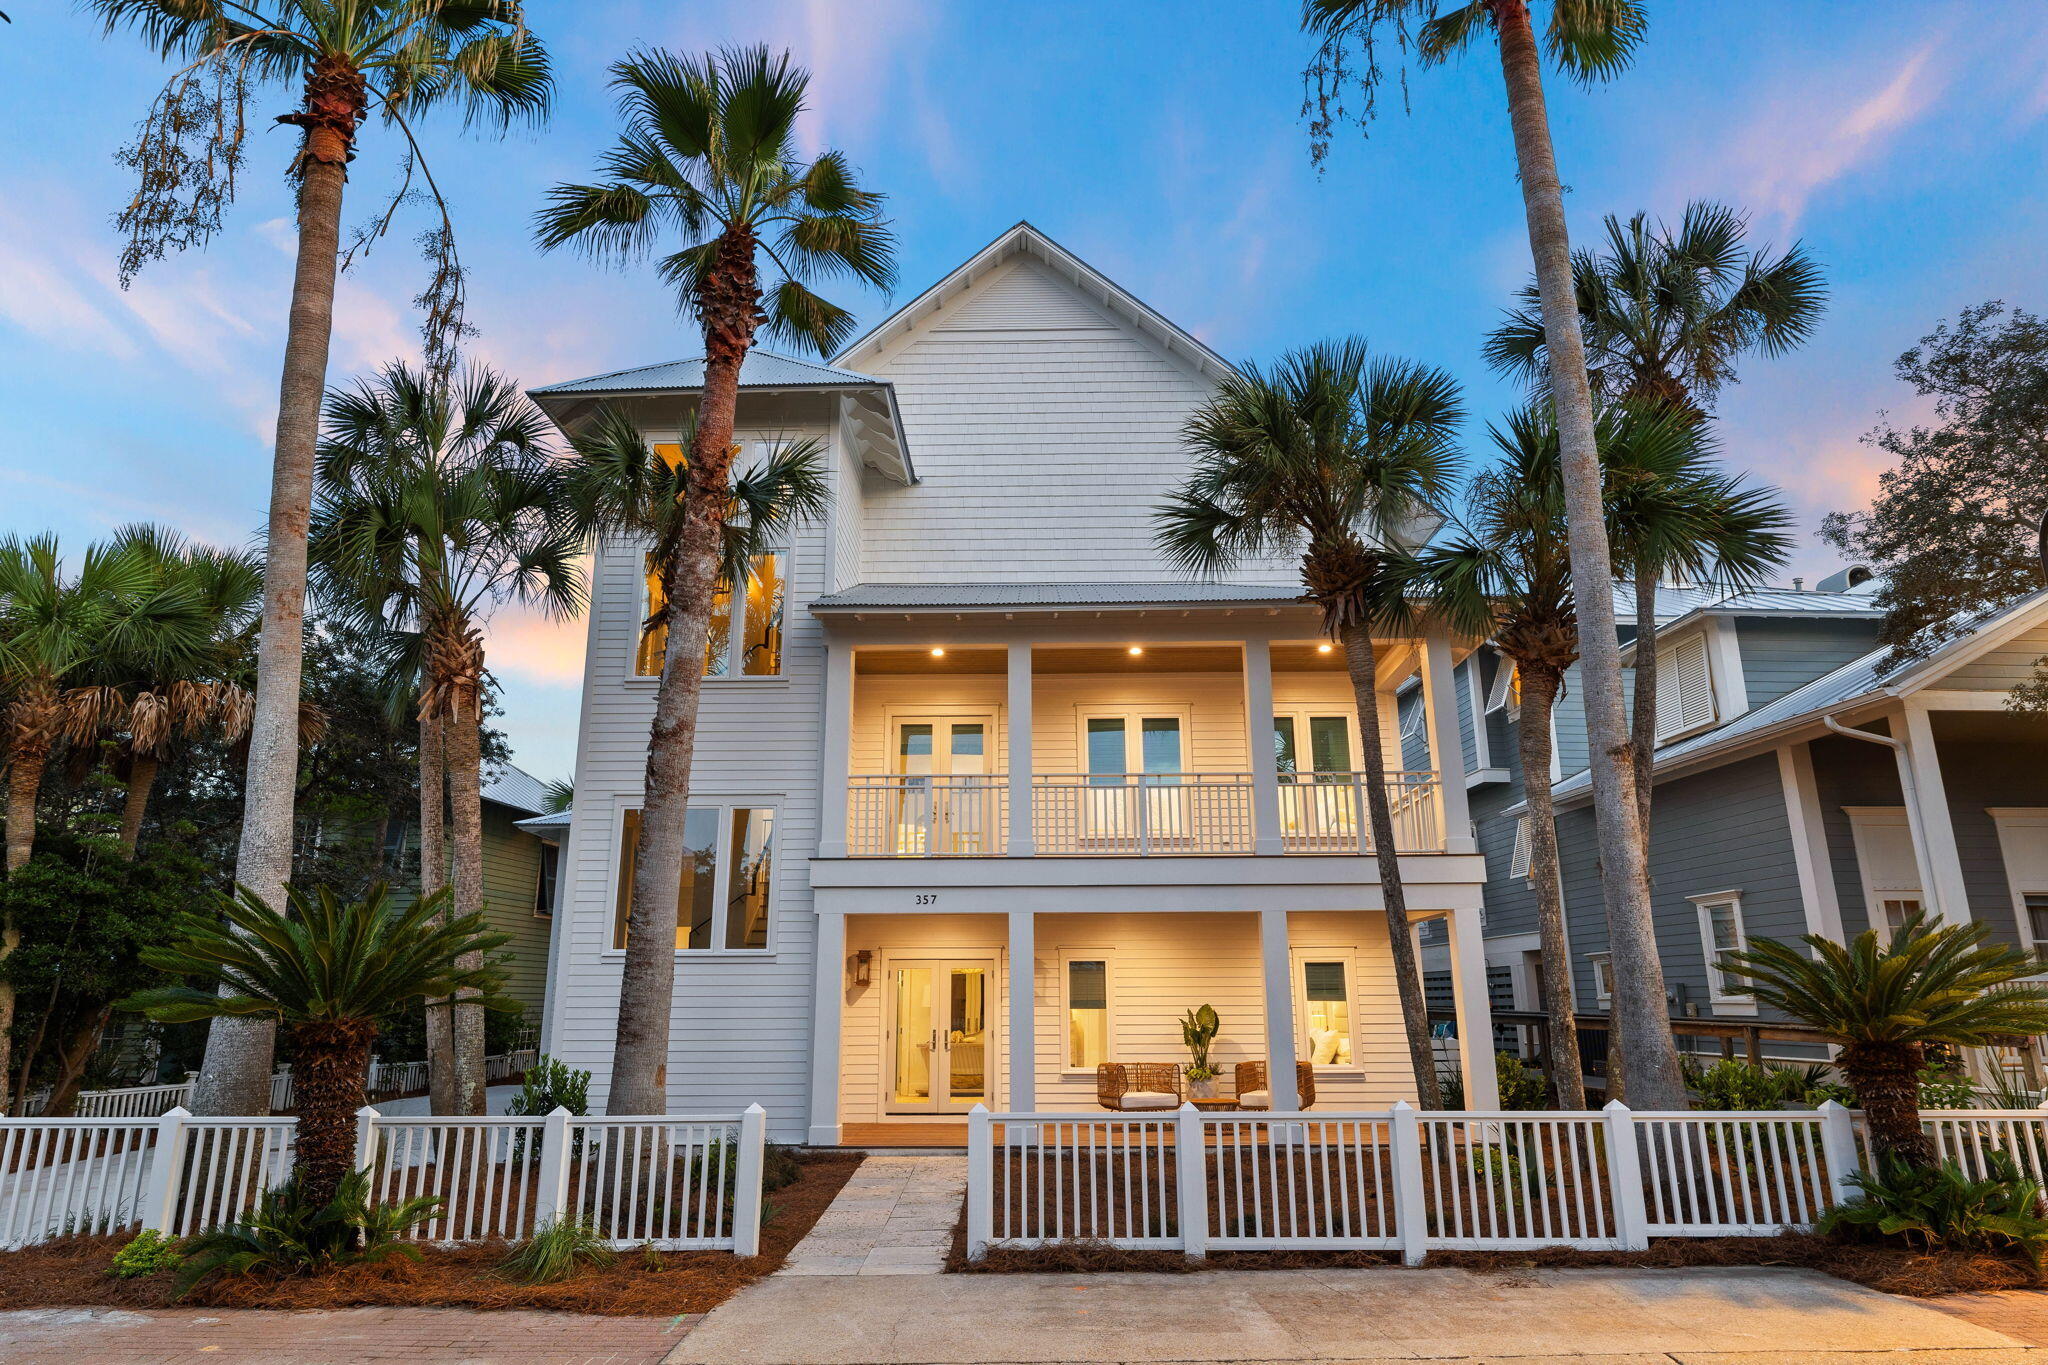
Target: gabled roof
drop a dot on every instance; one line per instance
(516, 789)
(760, 370)
(1026, 240)
(1860, 681)
(910, 597)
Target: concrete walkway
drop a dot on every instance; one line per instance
(1608, 1317)
(894, 1217)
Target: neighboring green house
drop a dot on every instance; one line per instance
(519, 879)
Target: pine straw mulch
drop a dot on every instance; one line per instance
(72, 1272)
(1892, 1269)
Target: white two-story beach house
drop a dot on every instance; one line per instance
(985, 794)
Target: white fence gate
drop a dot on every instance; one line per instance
(680, 1183)
(1409, 1180)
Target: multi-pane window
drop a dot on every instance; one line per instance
(1898, 909)
(2037, 915)
(1721, 934)
(1087, 1013)
(1328, 740)
(724, 900)
(744, 638)
(1326, 1011)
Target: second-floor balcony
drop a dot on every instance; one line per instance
(1132, 814)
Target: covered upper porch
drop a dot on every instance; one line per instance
(1014, 729)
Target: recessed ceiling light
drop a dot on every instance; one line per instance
(1135, 650)
(1323, 648)
(938, 651)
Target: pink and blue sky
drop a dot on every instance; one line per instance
(1905, 143)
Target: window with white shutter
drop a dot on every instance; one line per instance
(1519, 864)
(1685, 687)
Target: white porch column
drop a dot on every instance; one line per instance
(1258, 719)
(828, 1001)
(1942, 867)
(1475, 1010)
(1446, 750)
(1280, 1033)
(1023, 1002)
(836, 760)
(1021, 844)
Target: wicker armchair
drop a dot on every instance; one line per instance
(1135, 1086)
(1252, 1092)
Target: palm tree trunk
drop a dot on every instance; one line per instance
(465, 801)
(728, 301)
(327, 1078)
(1567, 1072)
(1360, 656)
(141, 777)
(235, 1076)
(1887, 1081)
(440, 1024)
(31, 750)
(1650, 1054)
(1643, 724)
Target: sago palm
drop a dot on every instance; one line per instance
(1884, 1001)
(344, 61)
(1668, 312)
(709, 157)
(1328, 456)
(1589, 40)
(437, 503)
(326, 971)
(161, 697)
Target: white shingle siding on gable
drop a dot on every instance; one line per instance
(1044, 431)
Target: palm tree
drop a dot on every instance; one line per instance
(436, 504)
(52, 630)
(157, 697)
(326, 971)
(1884, 1002)
(1590, 40)
(401, 57)
(621, 487)
(1328, 456)
(709, 152)
(1666, 314)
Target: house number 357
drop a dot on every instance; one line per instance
(927, 898)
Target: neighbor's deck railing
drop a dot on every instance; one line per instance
(1411, 1180)
(1131, 814)
(679, 1183)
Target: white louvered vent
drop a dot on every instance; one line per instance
(1685, 687)
(1518, 866)
(1023, 298)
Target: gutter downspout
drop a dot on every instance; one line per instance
(1910, 791)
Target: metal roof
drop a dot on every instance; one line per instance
(544, 825)
(518, 789)
(761, 370)
(986, 596)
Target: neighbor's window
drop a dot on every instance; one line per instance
(550, 873)
(697, 909)
(750, 869)
(2037, 916)
(749, 646)
(1087, 1013)
(1898, 909)
(1603, 977)
(1721, 934)
(1326, 1011)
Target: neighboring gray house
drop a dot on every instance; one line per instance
(1802, 787)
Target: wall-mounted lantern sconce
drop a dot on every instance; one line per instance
(863, 967)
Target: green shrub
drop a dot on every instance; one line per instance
(1521, 1086)
(779, 1167)
(1941, 1207)
(1729, 1084)
(548, 1084)
(148, 1253)
(556, 1252)
(1943, 1085)
(288, 1234)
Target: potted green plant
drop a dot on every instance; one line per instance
(1198, 1030)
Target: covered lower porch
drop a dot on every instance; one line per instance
(922, 1016)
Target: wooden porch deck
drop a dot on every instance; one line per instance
(903, 1135)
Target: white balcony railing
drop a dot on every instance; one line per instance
(1135, 814)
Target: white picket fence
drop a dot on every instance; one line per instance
(680, 1183)
(385, 1078)
(1406, 1180)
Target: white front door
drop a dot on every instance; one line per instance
(941, 1035)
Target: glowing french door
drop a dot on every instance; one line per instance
(945, 806)
(941, 1035)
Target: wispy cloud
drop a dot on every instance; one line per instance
(537, 648)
